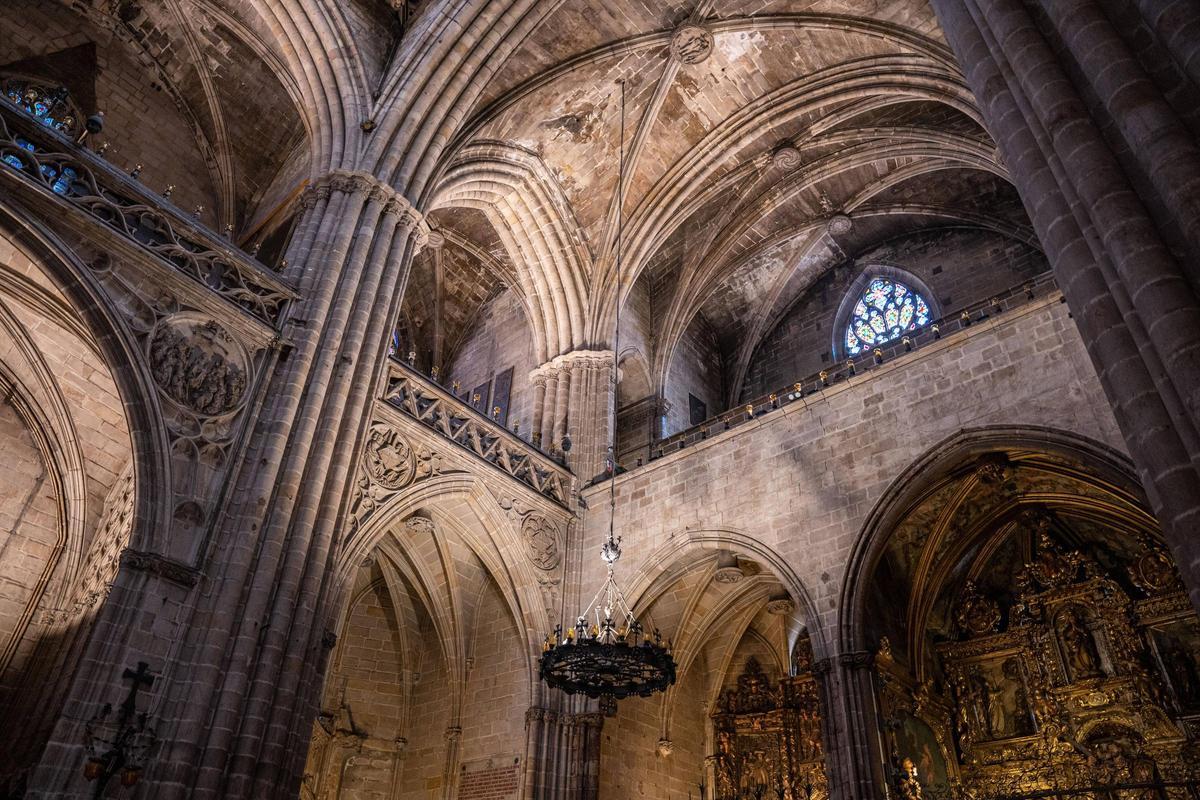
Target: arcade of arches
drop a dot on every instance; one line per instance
(317, 319)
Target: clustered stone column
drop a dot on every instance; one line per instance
(1095, 105)
(563, 754)
(573, 397)
(233, 716)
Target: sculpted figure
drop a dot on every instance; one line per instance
(910, 783)
(1083, 659)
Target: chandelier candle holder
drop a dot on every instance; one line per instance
(609, 654)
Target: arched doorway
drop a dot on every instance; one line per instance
(68, 487)
(1030, 630)
(431, 673)
(746, 716)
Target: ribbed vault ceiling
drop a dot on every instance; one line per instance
(735, 164)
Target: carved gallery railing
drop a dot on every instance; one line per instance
(66, 172)
(1041, 286)
(439, 410)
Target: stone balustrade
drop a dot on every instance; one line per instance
(1015, 297)
(66, 176)
(423, 400)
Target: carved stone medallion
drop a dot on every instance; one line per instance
(388, 459)
(197, 364)
(541, 542)
(840, 225)
(1153, 572)
(785, 157)
(781, 606)
(691, 44)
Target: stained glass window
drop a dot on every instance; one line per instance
(886, 311)
(50, 104)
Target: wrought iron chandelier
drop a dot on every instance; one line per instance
(609, 654)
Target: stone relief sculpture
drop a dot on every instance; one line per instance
(388, 458)
(691, 44)
(198, 364)
(541, 541)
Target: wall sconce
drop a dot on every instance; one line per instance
(878, 354)
(120, 747)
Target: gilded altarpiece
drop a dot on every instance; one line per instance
(1076, 683)
(768, 738)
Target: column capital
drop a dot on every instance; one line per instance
(590, 719)
(364, 183)
(857, 659)
(568, 361)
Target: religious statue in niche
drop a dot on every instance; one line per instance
(1080, 654)
(198, 364)
(994, 701)
(756, 772)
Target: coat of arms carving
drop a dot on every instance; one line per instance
(388, 458)
(541, 539)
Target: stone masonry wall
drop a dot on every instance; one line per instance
(141, 121)
(29, 528)
(695, 369)
(497, 692)
(960, 267)
(501, 339)
(802, 480)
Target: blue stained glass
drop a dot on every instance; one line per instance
(51, 105)
(14, 161)
(886, 311)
